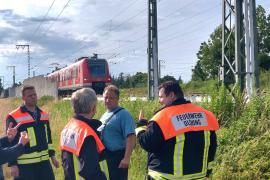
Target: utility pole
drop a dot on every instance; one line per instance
(152, 50)
(239, 30)
(28, 54)
(13, 67)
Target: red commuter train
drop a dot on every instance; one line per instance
(85, 72)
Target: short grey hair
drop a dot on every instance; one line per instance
(83, 100)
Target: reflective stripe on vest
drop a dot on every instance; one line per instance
(178, 155)
(34, 157)
(178, 161)
(44, 116)
(178, 119)
(76, 165)
(74, 134)
(104, 168)
(46, 130)
(162, 176)
(24, 117)
(32, 136)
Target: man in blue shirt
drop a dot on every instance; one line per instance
(118, 134)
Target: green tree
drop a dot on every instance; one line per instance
(180, 81)
(139, 79)
(209, 57)
(263, 23)
(210, 52)
(167, 78)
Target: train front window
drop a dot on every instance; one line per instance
(96, 68)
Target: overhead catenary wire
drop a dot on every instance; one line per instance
(184, 19)
(57, 17)
(44, 18)
(95, 30)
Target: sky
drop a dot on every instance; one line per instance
(60, 31)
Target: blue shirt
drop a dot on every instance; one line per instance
(117, 129)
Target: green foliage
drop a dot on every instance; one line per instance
(210, 52)
(167, 78)
(44, 100)
(263, 23)
(221, 105)
(200, 87)
(243, 151)
(209, 57)
(138, 80)
(264, 80)
(264, 61)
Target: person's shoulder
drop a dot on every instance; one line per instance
(125, 114)
(124, 111)
(15, 110)
(94, 123)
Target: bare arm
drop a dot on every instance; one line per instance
(130, 144)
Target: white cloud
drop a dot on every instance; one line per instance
(109, 27)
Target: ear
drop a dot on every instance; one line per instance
(94, 109)
(172, 95)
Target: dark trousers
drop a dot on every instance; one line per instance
(113, 160)
(1, 173)
(36, 171)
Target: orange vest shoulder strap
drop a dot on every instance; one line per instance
(74, 134)
(44, 116)
(21, 117)
(178, 119)
(15, 111)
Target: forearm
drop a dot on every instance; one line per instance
(4, 141)
(51, 150)
(130, 144)
(150, 138)
(11, 153)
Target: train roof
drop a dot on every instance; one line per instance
(77, 61)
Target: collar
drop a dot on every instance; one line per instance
(115, 109)
(178, 101)
(82, 118)
(24, 109)
(93, 123)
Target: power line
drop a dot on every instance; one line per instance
(184, 19)
(44, 17)
(58, 15)
(116, 15)
(197, 14)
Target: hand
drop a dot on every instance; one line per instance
(24, 139)
(14, 171)
(55, 162)
(124, 163)
(11, 132)
(141, 115)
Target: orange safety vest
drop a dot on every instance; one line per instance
(24, 117)
(74, 134)
(178, 119)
